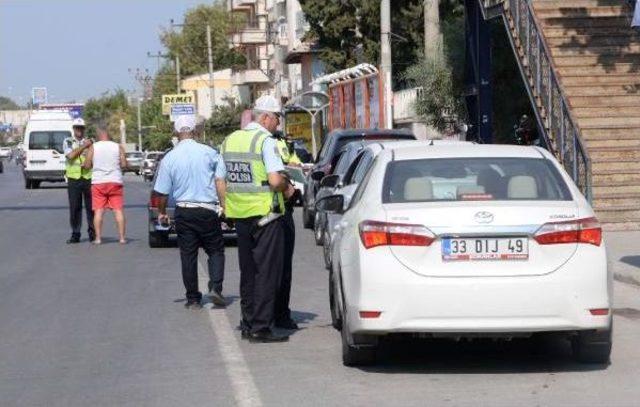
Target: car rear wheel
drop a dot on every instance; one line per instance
(326, 249)
(356, 355)
(157, 239)
(307, 219)
(28, 183)
(318, 232)
(592, 346)
(336, 321)
(35, 184)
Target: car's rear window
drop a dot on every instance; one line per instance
(48, 140)
(134, 155)
(473, 179)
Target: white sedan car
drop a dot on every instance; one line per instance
(467, 241)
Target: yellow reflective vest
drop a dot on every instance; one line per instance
(248, 191)
(73, 168)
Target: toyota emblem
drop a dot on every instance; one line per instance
(483, 217)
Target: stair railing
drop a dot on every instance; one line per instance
(559, 128)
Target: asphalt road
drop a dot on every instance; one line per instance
(105, 326)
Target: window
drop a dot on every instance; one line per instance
(362, 167)
(473, 179)
(362, 186)
(48, 140)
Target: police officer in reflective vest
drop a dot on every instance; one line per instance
(256, 189)
(78, 181)
(283, 312)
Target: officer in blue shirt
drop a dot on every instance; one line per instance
(195, 175)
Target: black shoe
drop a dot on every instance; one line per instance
(245, 334)
(267, 336)
(195, 305)
(217, 298)
(92, 236)
(73, 240)
(287, 324)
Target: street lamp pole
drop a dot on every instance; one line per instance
(139, 126)
(212, 94)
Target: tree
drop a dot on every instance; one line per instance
(190, 42)
(348, 32)
(8, 104)
(108, 109)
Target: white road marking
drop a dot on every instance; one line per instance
(245, 391)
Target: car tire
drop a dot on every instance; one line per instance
(307, 218)
(592, 346)
(27, 183)
(336, 321)
(35, 184)
(318, 231)
(157, 239)
(326, 250)
(353, 355)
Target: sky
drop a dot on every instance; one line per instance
(79, 49)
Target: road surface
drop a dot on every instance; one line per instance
(105, 326)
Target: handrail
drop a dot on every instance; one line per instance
(560, 131)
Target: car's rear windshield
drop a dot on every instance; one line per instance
(48, 140)
(152, 156)
(134, 155)
(473, 179)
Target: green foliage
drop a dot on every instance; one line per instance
(442, 79)
(108, 109)
(8, 104)
(348, 32)
(223, 121)
(190, 41)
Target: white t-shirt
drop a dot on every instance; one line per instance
(106, 163)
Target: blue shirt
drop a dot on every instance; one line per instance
(270, 154)
(188, 172)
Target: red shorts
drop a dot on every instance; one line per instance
(107, 196)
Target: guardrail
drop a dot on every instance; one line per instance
(558, 125)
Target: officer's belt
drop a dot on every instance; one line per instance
(202, 205)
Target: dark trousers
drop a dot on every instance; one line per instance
(196, 228)
(79, 189)
(283, 312)
(260, 253)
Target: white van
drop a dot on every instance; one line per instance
(44, 158)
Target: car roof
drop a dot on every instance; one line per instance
(427, 149)
(364, 132)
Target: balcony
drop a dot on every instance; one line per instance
(240, 5)
(248, 76)
(404, 105)
(251, 35)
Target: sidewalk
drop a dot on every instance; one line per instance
(624, 255)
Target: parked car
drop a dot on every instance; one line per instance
(5, 153)
(1, 166)
(466, 241)
(149, 164)
(302, 151)
(134, 162)
(326, 161)
(158, 234)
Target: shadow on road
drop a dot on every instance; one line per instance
(420, 356)
(54, 208)
(631, 260)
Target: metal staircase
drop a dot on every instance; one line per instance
(580, 61)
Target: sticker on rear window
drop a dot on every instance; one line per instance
(239, 172)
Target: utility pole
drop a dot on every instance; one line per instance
(139, 126)
(212, 90)
(385, 56)
(178, 88)
(432, 38)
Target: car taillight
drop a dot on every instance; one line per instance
(586, 230)
(373, 233)
(154, 201)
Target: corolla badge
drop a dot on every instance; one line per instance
(483, 217)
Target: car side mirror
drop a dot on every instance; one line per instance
(317, 175)
(331, 204)
(330, 181)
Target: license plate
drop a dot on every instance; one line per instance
(460, 249)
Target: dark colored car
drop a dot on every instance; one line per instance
(159, 236)
(302, 152)
(328, 158)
